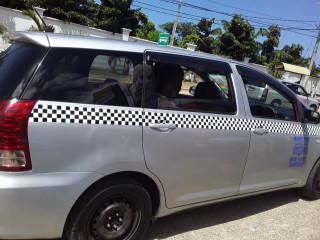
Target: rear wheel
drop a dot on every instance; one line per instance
(118, 211)
(312, 188)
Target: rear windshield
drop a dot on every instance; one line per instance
(17, 64)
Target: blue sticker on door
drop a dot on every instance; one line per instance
(299, 151)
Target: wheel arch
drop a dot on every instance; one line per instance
(314, 169)
(314, 106)
(144, 180)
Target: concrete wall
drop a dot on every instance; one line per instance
(13, 20)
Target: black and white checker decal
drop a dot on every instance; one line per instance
(85, 115)
(50, 113)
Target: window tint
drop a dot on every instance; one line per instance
(191, 84)
(105, 67)
(265, 100)
(89, 76)
(17, 64)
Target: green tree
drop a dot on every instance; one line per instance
(273, 39)
(202, 34)
(14, 4)
(32, 15)
(184, 29)
(148, 31)
(3, 29)
(293, 55)
(206, 42)
(40, 27)
(116, 14)
(80, 12)
(168, 27)
(238, 40)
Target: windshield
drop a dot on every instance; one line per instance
(17, 64)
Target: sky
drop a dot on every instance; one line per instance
(298, 19)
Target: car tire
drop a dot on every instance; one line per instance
(314, 107)
(276, 103)
(312, 188)
(119, 210)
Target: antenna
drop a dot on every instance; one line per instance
(43, 22)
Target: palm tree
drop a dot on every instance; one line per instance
(3, 29)
(32, 15)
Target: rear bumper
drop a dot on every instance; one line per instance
(36, 205)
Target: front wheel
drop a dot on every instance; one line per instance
(312, 188)
(116, 211)
(314, 107)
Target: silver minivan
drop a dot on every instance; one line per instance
(100, 137)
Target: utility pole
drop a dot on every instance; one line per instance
(315, 49)
(175, 24)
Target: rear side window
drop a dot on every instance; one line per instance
(17, 64)
(90, 77)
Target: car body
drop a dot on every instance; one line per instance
(88, 150)
(303, 95)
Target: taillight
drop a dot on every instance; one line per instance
(14, 146)
(264, 94)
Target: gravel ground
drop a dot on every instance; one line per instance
(278, 215)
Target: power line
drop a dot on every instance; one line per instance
(197, 18)
(232, 15)
(273, 17)
(153, 10)
(308, 48)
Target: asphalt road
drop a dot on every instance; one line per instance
(277, 215)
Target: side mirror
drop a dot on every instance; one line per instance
(312, 116)
(192, 90)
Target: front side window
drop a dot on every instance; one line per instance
(265, 101)
(187, 84)
(90, 77)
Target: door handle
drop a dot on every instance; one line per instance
(260, 131)
(162, 127)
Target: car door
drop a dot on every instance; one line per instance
(279, 144)
(195, 144)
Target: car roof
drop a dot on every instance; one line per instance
(55, 40)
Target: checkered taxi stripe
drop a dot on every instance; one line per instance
(48, 113)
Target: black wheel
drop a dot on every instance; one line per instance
(276, 102)
(314, 107)
(312, 188)
(117, 211)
